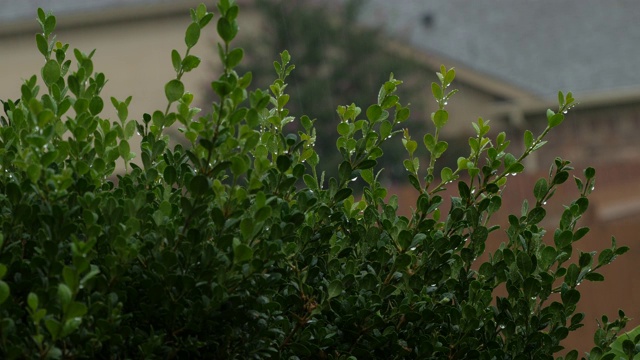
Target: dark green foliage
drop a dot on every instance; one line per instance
(237, 248)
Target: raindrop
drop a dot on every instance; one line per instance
(433, 285)
(502, 326)
(564, 112)
(446, 103)
(533, 298)
(413, 248)
(544, 203)
(354, 179)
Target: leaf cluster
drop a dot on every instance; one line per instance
(236, 246)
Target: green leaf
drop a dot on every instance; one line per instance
(64, 294)
(32, 301)
(528, 139)
(555, 120)
(410, 146)
(605, 257)
(51, 72)
(34, 171)
(374, 112)
(49, 24)
(310, 182)
(53, 326)
(94, 270)
(342, 194)
(335, 288)
(4, 291)
(70, 277)
(344, 171)
(343, 129)
(234, 57)
(76, 310)
(524, 263)
(440, 118)
(242, 253)
(367, 164)
(548, 256)
(176, 60)
(174, 90)
(592, 276)
(509, 160)
(589, 173)
(570, 297)
(540, 189)
(190, 62)
(436, 90)
(96, 105)
(124, 149)
(199, 185)
(130, 129)
(226, 29)
(572, 355)
(42, 44)
(430, 142)
(446, 174)
(263, 213)
(440, 148)
(563, 238)
(192, 35)
(449, 76)
(49, 157)
(170, 175)
(70, 326)
(404, 239)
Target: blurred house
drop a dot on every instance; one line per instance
(511, 59)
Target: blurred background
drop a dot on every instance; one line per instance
(511, 58)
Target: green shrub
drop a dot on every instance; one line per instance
(237, 248)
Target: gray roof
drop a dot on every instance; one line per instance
(542, 46)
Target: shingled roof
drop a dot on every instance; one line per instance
(586, 46)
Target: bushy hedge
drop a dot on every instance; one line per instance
(236, 248)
